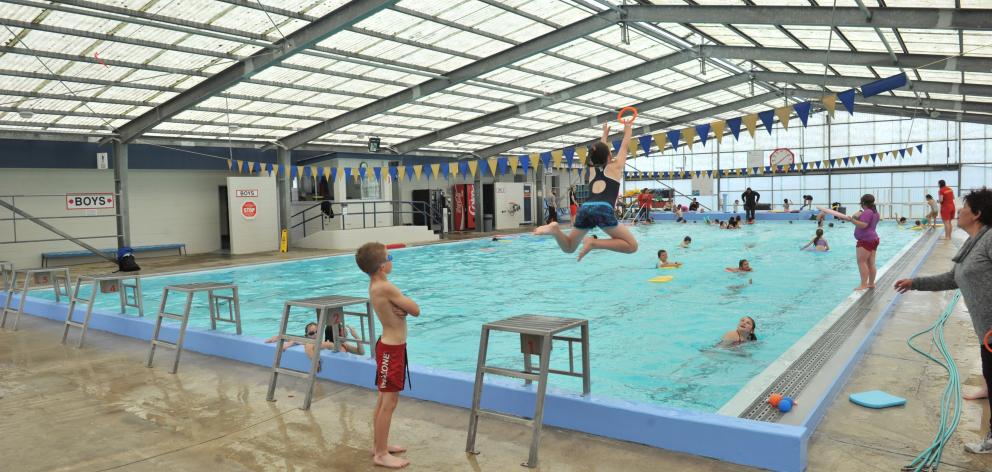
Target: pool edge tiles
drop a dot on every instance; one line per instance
(741, 441)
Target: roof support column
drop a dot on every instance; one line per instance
(284, 187)
(121, 194)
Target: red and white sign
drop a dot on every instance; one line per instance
(246, 193)
(89, 201)
(249, 210)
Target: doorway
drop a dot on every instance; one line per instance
(225, 228)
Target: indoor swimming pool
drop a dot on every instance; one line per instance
(650, 342)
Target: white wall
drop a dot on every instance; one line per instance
(508, 194)
(261, 233)
(166, 206)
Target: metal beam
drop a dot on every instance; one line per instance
(476, 69)
(922, 104)
(299, 40)
(601, 83)
(865, 59)
(922, 18)
(942, 115)
(648, 105)
(947, 88)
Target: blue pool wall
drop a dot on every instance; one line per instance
(770, 446)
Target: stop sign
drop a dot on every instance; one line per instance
(249, 210)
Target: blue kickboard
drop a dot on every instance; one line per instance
(876, 399)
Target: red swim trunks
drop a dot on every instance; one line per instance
(869, 245)
(947, 212)
(390, 366)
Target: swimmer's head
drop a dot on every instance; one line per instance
(599, 154)
(902, 219)
(831, 225)
(372, 257)
(917, 222)
(819, 232)
(868, 201)
(743, 264)
(662, 254)
(748, 325)
(929, 197)
(790, 222)
(687, 240)
(311, 330)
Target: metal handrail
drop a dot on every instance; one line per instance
(673, 189)
(416, 207)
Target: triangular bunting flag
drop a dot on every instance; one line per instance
(751, 122)
(805, 165)
(703, 131)
(735, 127)
(673, 137)
(256, 167)
(268, 167)
(768, 170)
(698, 173)
(783, 114)
(347, 174)
(237, 167)
(546, 158)
(410, 172)
(817, 164)
(493, 164)
(363, 174)
(525, 161)
(910, 150)
(830, 103)
(513, 162)
(632, 148)
(859, 159)
(332, 172)
(847, 161)
(378, 173)
(616, 146)
(394, 173)
(582, 152)
(660, 140)
(754, 170)
(919, 147)
(688, 136)
(873, 156)
(294, 172)
(318, 171)
(645, 142)
(472, 167)
(718, 127)
(568, 153)
(435, 171)
(847, 98)
(893, 152)
(501, 165)
(418, 171)
(230, 163)
(802, 109)
(767, 119)
(902, 152)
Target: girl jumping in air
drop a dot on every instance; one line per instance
(605, 173)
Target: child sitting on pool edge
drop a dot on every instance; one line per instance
(663, 260)
(597, 211)
(391, 307)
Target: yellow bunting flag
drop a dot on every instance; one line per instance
(894, 153)
(400, 174)
(688, 135)
(582, 151)
(632, 148)
(751, 121)
(472, 167)
(660, 140)
(783, 114)
(718, 127)
(299, 171)
(556, 157)
(356, 174)
(275, 170)
(418, 171)
(229, 164)
(535, 158)
(513, 161)
(910, 150)
(830, 103)
(435, 170)
(453, 169)
(492, 165)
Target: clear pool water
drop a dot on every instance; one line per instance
(650, 342)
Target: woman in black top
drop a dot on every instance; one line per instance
(597, 211)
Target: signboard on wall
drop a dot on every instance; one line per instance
(89, 201)
(756, 158)
(246, 193)
(249, 210)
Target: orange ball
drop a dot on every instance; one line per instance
(774, 399)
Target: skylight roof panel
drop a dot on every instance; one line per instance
(256, 21)
(488, 92)
(774, 66)
(114, 109)
(978, 78)
(940, 75)
(817, 37)
(722, 96)
(723, 35)
(19, 12)
(768, 36)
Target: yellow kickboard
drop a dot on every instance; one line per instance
(661, 279)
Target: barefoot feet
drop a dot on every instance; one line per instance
(586, 247)
(390, 461)
(860, 288)
(549, 228)
(979, 394)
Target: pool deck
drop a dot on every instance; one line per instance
(100, 408)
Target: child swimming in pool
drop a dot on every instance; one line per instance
(743, 334)
(597, 211)
(686, 241)
(818, 243)
(742, 266)
(663, 260)
(392, 308)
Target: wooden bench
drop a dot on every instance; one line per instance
(46, 256)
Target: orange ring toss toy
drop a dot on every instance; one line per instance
(624, 110)
(986, 340)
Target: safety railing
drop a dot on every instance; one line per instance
(674, 192)
(17, 216)
(367, 207)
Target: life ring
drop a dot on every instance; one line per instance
(986, 340)
(623, 110)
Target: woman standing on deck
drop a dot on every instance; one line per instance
(972, 274)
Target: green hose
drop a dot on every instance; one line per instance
(929, 459)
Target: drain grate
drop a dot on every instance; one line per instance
(797, 376)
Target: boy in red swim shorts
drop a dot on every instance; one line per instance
(392, 307)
